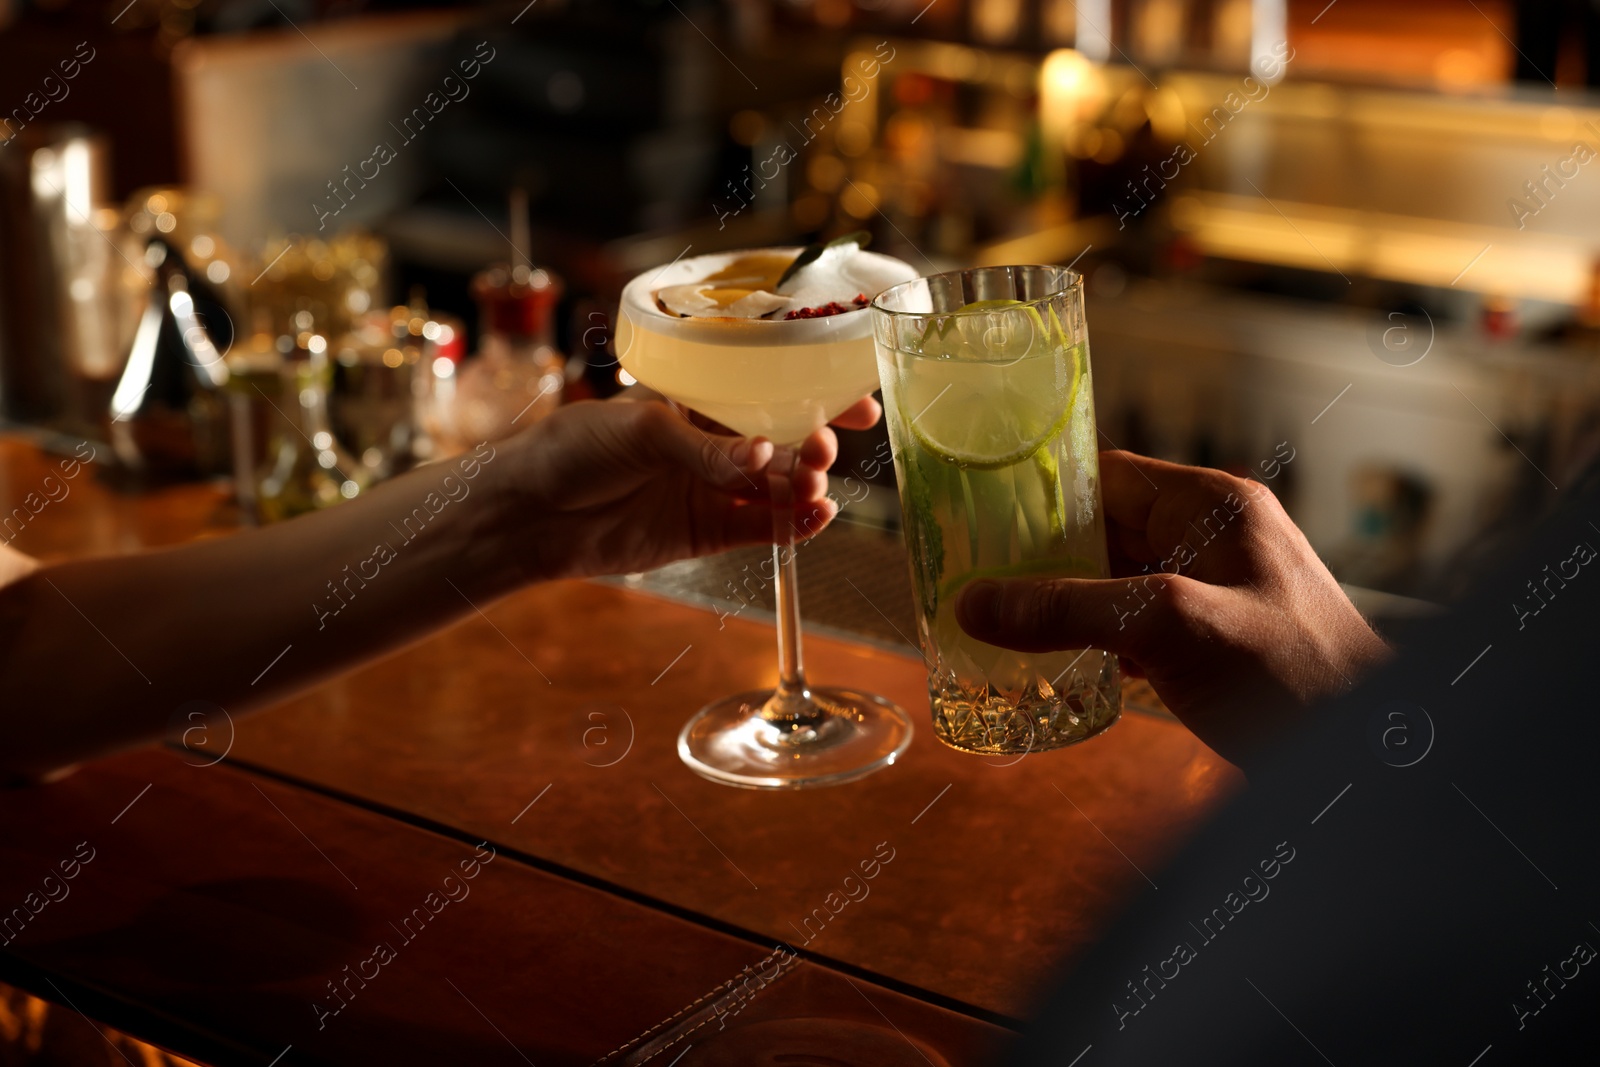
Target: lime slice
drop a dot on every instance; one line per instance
(987, 389)
(942, 327)
(1049, 473)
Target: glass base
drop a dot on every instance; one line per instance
(849, 735)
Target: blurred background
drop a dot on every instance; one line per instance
(1350, 248)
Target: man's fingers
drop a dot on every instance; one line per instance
(1129, 485)
(862, 415)
(1155, 507)
(1127, 616)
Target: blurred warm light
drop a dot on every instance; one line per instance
(853, 138)
(973, 147)
(1158, 31)
(1071, 91)
(1230, 30)
(825, 172)
(859, 199)
(1059, 21)
(913, 90)
(1378, 245)
(217, 271)
(908, 136)
(1409, 44)
(1458, 69)
(1186, 212)
(1064, 72)
(996, 21)
(1164, 108)
(1558, 123)
(624, 378)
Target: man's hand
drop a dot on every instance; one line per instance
(625, 485)
(1219, 601)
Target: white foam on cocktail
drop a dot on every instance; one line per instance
(691, 300)
(780, 378)
(839, 275)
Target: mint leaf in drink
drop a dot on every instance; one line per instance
(926, 542)
(810, 253)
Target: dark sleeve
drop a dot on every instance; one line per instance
(1413, 881)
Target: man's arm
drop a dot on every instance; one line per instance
(1219, 600)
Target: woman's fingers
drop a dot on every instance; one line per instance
(862, 415)
(819, 450)
(751, 524)
(809, 484)
(733, 464)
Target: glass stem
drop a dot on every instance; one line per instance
(791, 703)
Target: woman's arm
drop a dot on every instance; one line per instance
(96, 654)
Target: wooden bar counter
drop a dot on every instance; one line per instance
(624, 895)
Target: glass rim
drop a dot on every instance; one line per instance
(1073, 282)
(720, 330)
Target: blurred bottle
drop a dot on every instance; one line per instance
(378, 371)
(307, 469)
(168, 415)
(518, 376)
(254, 383)
(336, 281)
(62, 328)
(1582, 330)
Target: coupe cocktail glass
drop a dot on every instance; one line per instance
(781, 380)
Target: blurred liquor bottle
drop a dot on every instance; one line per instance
(168, 415)
(307, 468)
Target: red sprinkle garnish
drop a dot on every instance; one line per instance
(858, 302)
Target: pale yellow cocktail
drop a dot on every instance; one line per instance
(773, 343)
(777, 378)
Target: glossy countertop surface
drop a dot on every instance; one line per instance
(951, 885)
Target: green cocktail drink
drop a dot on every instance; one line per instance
(987, 388)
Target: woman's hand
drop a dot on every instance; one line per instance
(626, 485)
(1233, 618)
